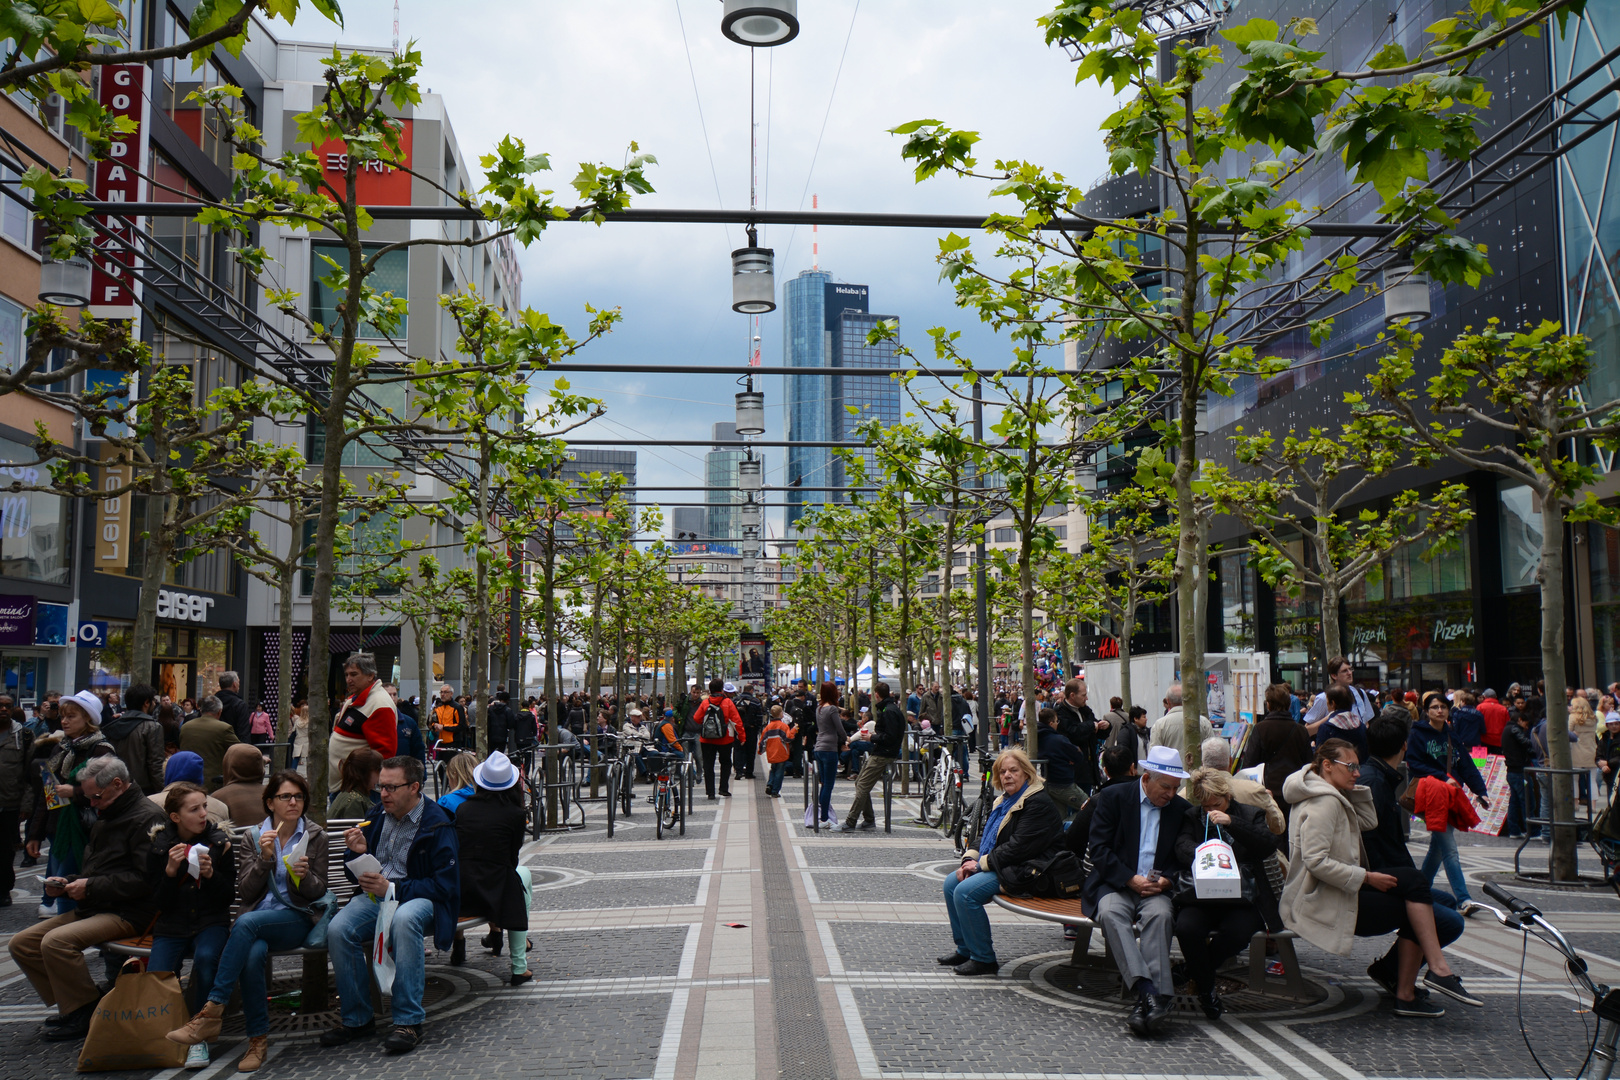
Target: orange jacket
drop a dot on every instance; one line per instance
(776, 736)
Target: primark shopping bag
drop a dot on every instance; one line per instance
(382, 954)
(130, 1024)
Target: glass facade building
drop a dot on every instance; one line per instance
(825, 326)
(723, 522)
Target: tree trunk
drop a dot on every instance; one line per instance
(593, 662)
(424, 668)
(480, 690)
(1332, 641)
(946, 720)
(1127, 627)
(159, 545)
(284, 647)
(1551, 576)
(1026, 633)
(548, 620)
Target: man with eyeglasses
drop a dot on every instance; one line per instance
(414, 840)
(114, 896)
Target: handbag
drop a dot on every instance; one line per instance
(382, 954)
(129, 1027)
(320, 911)
(1056, 875)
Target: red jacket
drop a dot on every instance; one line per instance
(370, 715)
(1440, 804)
(1496, 718)
(728, 710)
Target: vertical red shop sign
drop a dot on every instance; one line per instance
(120, 178)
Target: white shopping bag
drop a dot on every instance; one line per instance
(382, 954)
(1215, 872)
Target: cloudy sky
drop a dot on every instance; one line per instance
(581, 80)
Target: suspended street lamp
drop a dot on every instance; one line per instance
(1406, 295)
(760, 23)
(749, 475)
(753, 277)
(751, 411)
(65, 282)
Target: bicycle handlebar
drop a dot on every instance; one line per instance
(1508, 900)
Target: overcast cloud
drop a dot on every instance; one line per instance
(581, 80)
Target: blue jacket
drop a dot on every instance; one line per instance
(1063, 758)
(431, 867)
(410, 739)
(1469, 726)
(1426, 756)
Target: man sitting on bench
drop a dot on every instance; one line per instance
(415, 843)
(1133, 868)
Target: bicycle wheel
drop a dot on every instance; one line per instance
(670, 809)
(930, 806)
(536, 807)
(975, 825)
(951, 815)
(612, 803)
(658, 810)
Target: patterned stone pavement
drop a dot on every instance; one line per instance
(669, 960)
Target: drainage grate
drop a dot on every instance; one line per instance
(802, 1050)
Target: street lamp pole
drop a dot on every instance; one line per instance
(980, 600)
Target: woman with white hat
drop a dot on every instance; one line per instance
(489, 831)
(68, 825)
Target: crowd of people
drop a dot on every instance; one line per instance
(186, 838)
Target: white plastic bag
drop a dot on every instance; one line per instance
(382, 954)
(1215, 872)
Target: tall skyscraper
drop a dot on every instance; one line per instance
(826, 324)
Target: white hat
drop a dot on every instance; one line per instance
(496, 773)
(1166, 760)
(635, 712)
(731, 688)
(91, 704)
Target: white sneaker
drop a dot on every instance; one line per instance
(46, 911)
(1468, 907)
(197, 1056)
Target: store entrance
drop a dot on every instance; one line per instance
(186, 663)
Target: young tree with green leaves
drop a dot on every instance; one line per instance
(1224, 161)
(1525, 388)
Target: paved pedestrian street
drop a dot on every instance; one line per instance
(753, 947)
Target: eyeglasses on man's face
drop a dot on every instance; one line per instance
(389, 789)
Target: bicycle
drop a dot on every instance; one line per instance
(1605, 1000)
(931, 803)
(950, 817)
(971, 826)
(668, 797)
(570, 812)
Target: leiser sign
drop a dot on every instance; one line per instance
(120, 178)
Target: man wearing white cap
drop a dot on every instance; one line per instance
(1134, 867)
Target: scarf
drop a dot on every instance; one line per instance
(1345, 721)
(993, 826)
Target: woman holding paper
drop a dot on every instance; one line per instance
(193, 874)
(283, 891)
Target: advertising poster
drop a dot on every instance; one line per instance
(754, 670)
(1494, 769)
(16, 620)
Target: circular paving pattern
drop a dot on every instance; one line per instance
(445, 990)
(1097, 989)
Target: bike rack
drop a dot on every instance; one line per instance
(888, 796)
(809, 767)
(615, 768)
(1533, 775)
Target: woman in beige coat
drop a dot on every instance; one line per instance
(1331, 897)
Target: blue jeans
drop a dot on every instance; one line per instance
(858, 749)
(970, 926)
(256, 935)
(1448, 921)
(827, 768)
(349, 942)
(773, 783)
(517, 941)
(1515, 815)
(205, 948)
(1443, 852)
(66, 866)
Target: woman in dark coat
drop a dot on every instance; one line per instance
(489, 831)
(1213, 931)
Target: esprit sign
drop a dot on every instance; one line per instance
(183, 607)
(120, 178)
(375, 183)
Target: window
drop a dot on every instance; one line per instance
(14, 219)
(372, 548)
(1005, 536)
(390, 276)
(1061, 531)
(1519, 525)
(35, 526)
(186, 241)
(212, 570)
(12, 321)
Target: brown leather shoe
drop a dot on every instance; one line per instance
(258, 1049)
(204, 1027)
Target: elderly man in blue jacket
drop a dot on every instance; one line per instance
(414, 842)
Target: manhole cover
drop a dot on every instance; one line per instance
(1538, 881)
(1101, 987)
(287, 1019)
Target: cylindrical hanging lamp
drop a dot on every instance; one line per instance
(760, 23)
(753, 515)
(65, 282)
(753, 279)
(751, 412)
(749, 475)
(1406, 295)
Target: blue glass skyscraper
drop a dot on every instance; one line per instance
(825, 325)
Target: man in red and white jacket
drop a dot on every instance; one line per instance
(367, 716)
(718, 747)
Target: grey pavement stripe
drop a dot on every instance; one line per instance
(803, 1050)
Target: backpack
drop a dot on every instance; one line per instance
(714, 723)
(261, 724)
